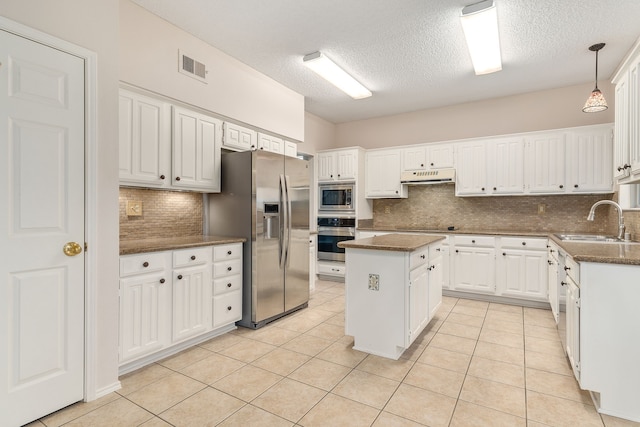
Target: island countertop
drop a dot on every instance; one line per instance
(392, 242)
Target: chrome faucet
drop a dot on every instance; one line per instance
(592, 215)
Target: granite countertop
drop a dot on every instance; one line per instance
(391, 242)
(610, 253)
(128, 247)
(460, 231)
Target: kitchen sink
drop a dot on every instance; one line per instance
(586, 238)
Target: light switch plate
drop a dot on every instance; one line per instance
(134, 208)
(374, 282)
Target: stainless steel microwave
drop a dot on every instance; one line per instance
(336, 197)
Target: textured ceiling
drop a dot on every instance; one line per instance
(411, 54)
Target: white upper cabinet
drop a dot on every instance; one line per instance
(505, 166)
(382, 178)
(145, 140)
(339, 165)
(290, 149)
(590, 160)
(196, 150)
(428, 156)
(270, 143)
(239, 138)
(545, 163)
(626, 166)
(471, 169)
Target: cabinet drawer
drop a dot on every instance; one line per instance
(485, 241)
(419, 257)
(573, 269)
(227, 308)
(143, 263)
(223, 252)
(331, 269)
(227, 268)
(435, 250)
(523, 243)
(192, 256)
(227, 284)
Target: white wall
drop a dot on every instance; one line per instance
(94, 26)
(550, 109)
(149, 59)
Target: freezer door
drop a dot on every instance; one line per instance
(268, 281)
(296, 279)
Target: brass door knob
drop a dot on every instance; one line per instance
(72, 249)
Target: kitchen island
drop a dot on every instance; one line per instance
(393, 288)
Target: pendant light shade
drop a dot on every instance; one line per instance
(596, 101)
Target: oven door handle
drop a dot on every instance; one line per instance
(337, 231)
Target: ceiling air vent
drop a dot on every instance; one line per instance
(192, 68)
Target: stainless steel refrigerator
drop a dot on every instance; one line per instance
(265, 198)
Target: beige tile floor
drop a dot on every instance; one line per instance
(477, 364)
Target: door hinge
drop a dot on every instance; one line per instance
(578, 367)
(578, 303)
(86, 246)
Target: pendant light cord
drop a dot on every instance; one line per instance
(596, 69)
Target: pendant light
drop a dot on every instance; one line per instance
(596, 101)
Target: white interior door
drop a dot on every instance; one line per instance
(41, 209)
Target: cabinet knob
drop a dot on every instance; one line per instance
(524, 243)
(457, 251)
(567, 268)
(229, 308)
(396, 191)
(504, 254)
(433, 267)
(575, 186)
(331, 175)
(422, 165)
(431, 164)
(338, 175)
(162, 176)
(193, 257)
(619, 168)
(482, 188)
(473, 241)
(437, 249)
(494, 188)
(179, 276)
(561, 186)
(422, 256)
(549, 262)
(228, 268)
(551, 250)
(563, 283)
(177, 178)
(228, 252)
(162, 280)
(145, 264)
(626, 166)
(228, 285)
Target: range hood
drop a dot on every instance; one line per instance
(437, 176)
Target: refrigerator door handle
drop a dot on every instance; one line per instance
(287, 187)
(281, 242)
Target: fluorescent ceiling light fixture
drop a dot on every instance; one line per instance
(327, 69)
(480, 25)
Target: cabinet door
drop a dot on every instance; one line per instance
(191, 302)
(523, 274)
(440, 156)
(238, 137)
(196, 151)
(590, 161)
(414, 158)
(270, 143)
(383, 174)
(552, 280)
(471, 170)
(227, 308)
(545, 163)
(436, 273)
(622, 143)
(506, 166)
(573, 326)
(347, 165)
(144, 140)
(474, 269)
(325, 163)
(633, 117)
(290, 149)
(418, 301)
(145, 314)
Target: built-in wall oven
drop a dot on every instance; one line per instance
(331, 231)
(336, 198)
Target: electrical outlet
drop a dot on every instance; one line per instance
(374, 282)
(387, 209)
(542, 208)
(134, 208)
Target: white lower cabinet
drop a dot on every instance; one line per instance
(436, 276)
(473, 263)
(170, 298)
(522, 268)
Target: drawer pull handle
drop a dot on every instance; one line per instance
(179, 276)
(162, 280)
(145, 264)
(228, 268)
(228, 285)
(229, 308)
(193, 257)
(228, 252)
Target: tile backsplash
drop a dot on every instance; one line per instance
(164, 214)
(436, 207)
